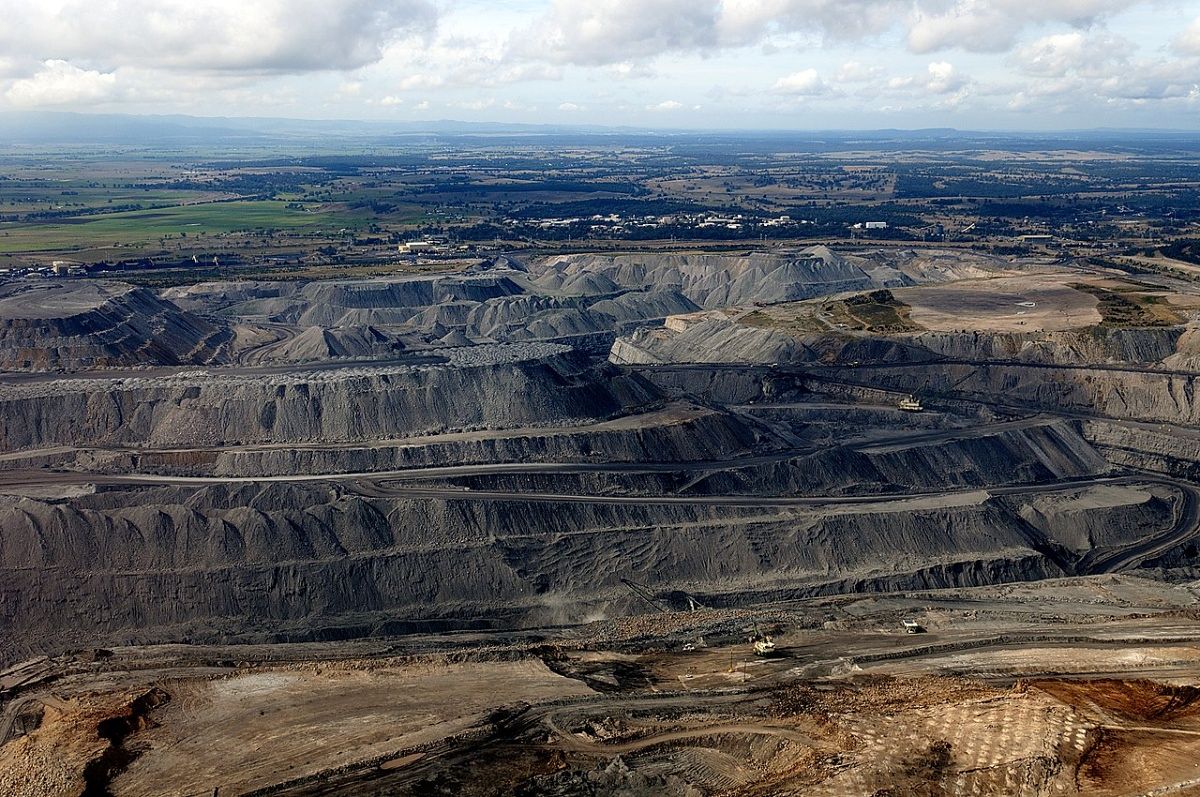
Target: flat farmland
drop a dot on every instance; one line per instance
(136, 228)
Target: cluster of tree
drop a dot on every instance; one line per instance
(247, 183)
(475, 189)
(68, 213)
(1187, 250)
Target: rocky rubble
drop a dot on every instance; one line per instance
(48, 326)
(280, 561)
(479, 387)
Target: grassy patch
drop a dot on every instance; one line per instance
(172, 277)
(876, 311)
(794, 319)
(1126, 309)
(143, 227)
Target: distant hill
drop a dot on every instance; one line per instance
(32, 128)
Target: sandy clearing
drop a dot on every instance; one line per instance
(1002, 304)
(251, 731)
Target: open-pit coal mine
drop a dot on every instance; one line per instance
(819, 521)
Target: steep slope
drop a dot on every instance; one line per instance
(76, 325)
(711, 281)
(481, 387)
(277, 561)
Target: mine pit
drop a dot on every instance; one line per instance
(604, 523)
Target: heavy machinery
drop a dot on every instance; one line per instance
(763, 644)
(910, 404)
(644, 593)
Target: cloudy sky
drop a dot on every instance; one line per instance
(1013, 64)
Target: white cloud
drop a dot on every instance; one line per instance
(974, 27)
(939, 78)
(629, 70)
(944, 78)
(1147, 81)
(620, 31)
(419, 82)
(1188, 42)
(520, 73)
(481, 104)
(747, 21)
(754, 61)
(615, 31)
(213, 35)
(806, 83)
(856, 72)
(1076, 51)
(1132, 85)
(623, 31)
(62, 83)
(991, 26)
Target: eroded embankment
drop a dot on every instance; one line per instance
(100, 772)
(334, 405)
(677, 433)
(1027, 452)
(101, 324)
(279, 561)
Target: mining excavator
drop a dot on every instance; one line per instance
(763, 644)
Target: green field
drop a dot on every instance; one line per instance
(142, 227)
(87, 199)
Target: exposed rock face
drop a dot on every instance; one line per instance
(519, 387)
(719, 339)
(709, 340)
(557, 473)
(1074, 347)
(1118, 373)
(1169, 450)
(1039, 452)
(575, 298)
(392, 301)
(315, 344)
(1099, 516)
(676, 433)
(74, 325)
(87, 324)
(1135, 395)
(277, 561)
(714, 280)
(375, 317)
(698, 436)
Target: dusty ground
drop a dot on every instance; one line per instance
(1075, 686)
(52, 759)
(1026, 303)
(1072, 686)
(244, 732)
(1014, 303)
